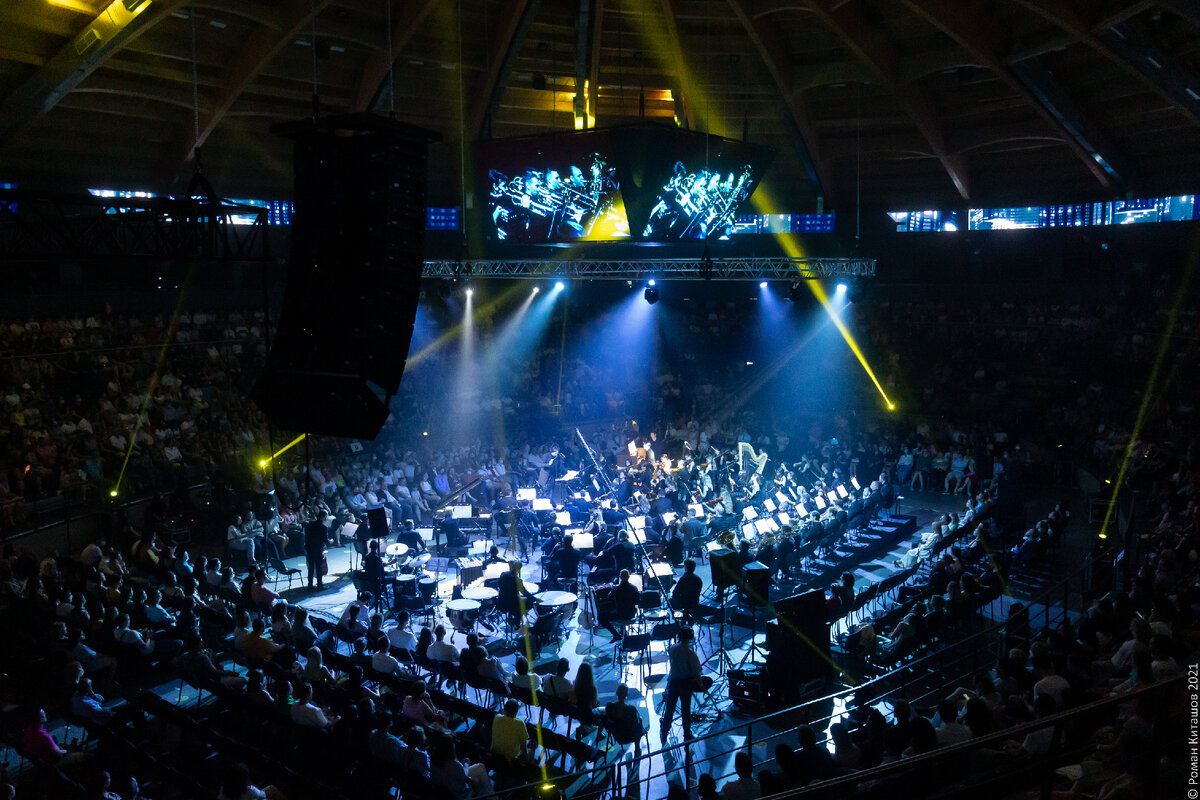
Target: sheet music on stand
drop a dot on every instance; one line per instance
(698, 508)
(562, 518)
(460, 512)
(781, 497)
(854, 483)
(769, 505)
(569, 475)
(526, 494)
(668, 517)
(831, 497)
(542, 504)
(784, 518)
(842, 493)
(749, 512)
(820, 501)
(637, 523)
(749, 532)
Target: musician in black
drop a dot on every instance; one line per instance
(672, 546)
(511, 590)
(314, 547)
(373, 567)
(685, 596)
(692, 527)
(493, 556)
(612, 514)
(448, 530)
(502, 512)
(408, 535)
(563, 563)
(766, 556)
(783, 552)
(625, 602)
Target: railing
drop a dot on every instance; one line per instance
(973, 652)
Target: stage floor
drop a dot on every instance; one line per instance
(716, 714)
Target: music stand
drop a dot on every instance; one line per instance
(755, 578)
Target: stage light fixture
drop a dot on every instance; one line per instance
(651, 294)
(841, 288)
(536, 289)
(650, 282)
(559, 286)
(470, 291)
(762, 285)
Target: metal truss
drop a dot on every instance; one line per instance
(723, 269)
(43, 225)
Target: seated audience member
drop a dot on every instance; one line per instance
(305, 712)
(509, 734)
(743, 787)
(557, 685)
(624, 720)
(419, 707)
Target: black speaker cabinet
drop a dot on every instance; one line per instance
(377, 522)
(798, 644)
(756, 583)
(725, 569)
(354, 274)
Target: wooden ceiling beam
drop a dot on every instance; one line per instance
(798, 122)
(873, 46)
(514, 27)
(95, 44)
(373, 89)
(968, 23)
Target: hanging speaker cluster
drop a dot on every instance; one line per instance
(354, 274)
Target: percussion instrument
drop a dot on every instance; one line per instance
(462, 613)
(428, 589)
(420, 561)
(470, 569)
(551, 602)
(530, 586)
(397, 549)
(495, 570)
(483, 596)
(406, 585)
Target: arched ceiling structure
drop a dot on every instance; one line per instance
(910, 103)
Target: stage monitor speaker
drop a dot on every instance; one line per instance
(354, 274)
(264, 506)
(747, 686)
(725, 569)
(377, 522)
(756, 583)
(798, 641)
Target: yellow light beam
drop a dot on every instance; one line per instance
(283, 449)
(478, 312)
(1148, 395)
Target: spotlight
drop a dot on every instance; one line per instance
(470, 291)
(536, 289)
(262, 463)
(651, 295)
(762, 285)
(650, 282)
(559, 286)
(841, 288)
(113, 493)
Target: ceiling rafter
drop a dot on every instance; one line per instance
(516, 21)
(871, 44)
(372, 88)
(594, 50)
(1122, 47)
(966, 21)
(796, 118)
(255, 54)
(96, 42)
(683, 98)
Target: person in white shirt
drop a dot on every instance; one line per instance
(304, 712)
(743, 787)
(440, 649)
(399, 636)
(385, 663)
(92, 554)
(557, 685)
(950, 731)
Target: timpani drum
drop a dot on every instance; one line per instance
(484, 596)
(555, 602)
(406, 585)
(462, 613)
(428, 588)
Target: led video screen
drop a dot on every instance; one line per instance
(553, 188)
(641, 182)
